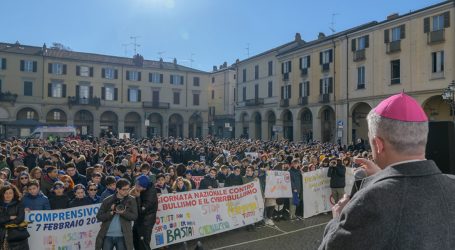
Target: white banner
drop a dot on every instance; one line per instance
(278, 184)
(253, 155)
(190, 215)
(317, 195)
(72, 228)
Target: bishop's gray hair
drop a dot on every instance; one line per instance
(408, 138)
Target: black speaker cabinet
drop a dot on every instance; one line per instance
(441, 145)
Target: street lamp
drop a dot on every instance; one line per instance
(448, 95)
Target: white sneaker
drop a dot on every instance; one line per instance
(269, 222)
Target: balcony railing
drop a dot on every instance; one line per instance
(394, 46)
(304, 71)
(285, 76)
(359, 55)
(303, 100)
(325, 67)
(284, 103)
(91, 101)
(8, 97)
(156, 105)
(254, 102)
(436, 36)
(324, 98)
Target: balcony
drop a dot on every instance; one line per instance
(324, 98)
(156, 105)
(286, 76)
(304, 72)
(254, 102)
(284, 103)
(436, 36)
(393, 47)
(359, 55)
(8, 97)
(325, 67)
(303, 100)
(91, 101)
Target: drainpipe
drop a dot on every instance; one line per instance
(347, 90)
(334, 81)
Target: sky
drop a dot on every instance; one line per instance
(199, 33)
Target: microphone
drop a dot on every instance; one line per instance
(359, 175)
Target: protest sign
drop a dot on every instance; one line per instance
(190, 215)
(72, 228)
(197, 180)
(317, 195)
(278, 184)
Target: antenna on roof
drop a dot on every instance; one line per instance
(332, 24)
(135, 44)
(125, 47)
(191, 59)
(248, 49)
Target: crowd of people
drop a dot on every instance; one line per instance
(67, 173)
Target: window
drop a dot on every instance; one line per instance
(326, 85)
(28, 88)
(362, 42)
(270, 89)
(30, 115)
(286, 67)
(305, 62)
(155, 77)
(84, 91)
(134, 95)
(28, 66)
(57, 90)
(437, 62)
(57, 68)
(361, 77)
(305, 89)
(256, 91)
(244, 93)
(133, 75)
(395, 71)
(270, 67)
(177, 98)
(438, 22)
(396, 34)
(3, 63)
(109, 93)
(213, 94)
(326, 56)
(244, 75)
(56, 116)
(213, 79)
(256, 72)
(176, 79)
(84, 71)
(196, 81)
(286, 91)
(109, 73)
(196, 99)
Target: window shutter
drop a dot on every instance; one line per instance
(330, 56)
(307, 88)
(49, 89)
(330, 85)
(77, 92)
(171, 79)
(3, 63)
(161, 78)
(446, 19)
(49, 68)
(127, 75)
(300, 89)
(22, 65)
(103, 93)
(300, 62)
(353, 41)
(282, 68)
(402, 31)
(426, 25)
(115, 94)
(139, 76)
(91, 71)
(150, 77)
(320, 58)
(181, 80)
(64, 69)
(35, 66)
(289, 91)
(282, 92)
(367, 41)
(63, 90)
(320, 86)
(116, 74)
(103, 73)
(90, 92)
(128, 94)
(290, 66)
(78, 70)
(386, 36)
(138, 95)
(308, 61)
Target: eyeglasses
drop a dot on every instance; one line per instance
(125, 189)
(24, 178)
(93, 190)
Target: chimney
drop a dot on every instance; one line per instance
(175, 61)
(214, 68)
(392, 16)
(298, 38)
(225, 65)
(237, 61)
(321, 35)
(161, 62)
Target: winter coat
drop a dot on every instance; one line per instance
(296, 180)
(46, 184)
(14, 208)
(233, 180)
(107, 192)
(104, 215)
(221, 178)
(76, 202)
(59, 202)
(79, 179)
(208, 182)
(247, 179)
(36, 202)
(337, 176)
(163, 190)
(147, 203)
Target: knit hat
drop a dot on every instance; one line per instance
(142, 181)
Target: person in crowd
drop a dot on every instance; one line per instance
(92, 190)
(145, 170)
(58, 199)
(222, 175)
(48, 179)
(161, 186)
(96, 179)
(189, 177)
(296, 186)
(11, 212)
(147, 201)
(181, 185)
(110, 187)
(68, 184)
(234, 179)
(395, 199)
(34, 199)
(80, 198)
(72, 171)
(36, 173)
(209, 181)
(117, 212)
(23, 180)
(337, 173)
(16, 175)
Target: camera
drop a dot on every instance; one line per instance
(119, 207)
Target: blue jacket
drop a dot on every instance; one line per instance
(38, 202)
(107, 192)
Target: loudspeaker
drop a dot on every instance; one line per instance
(441, 145)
